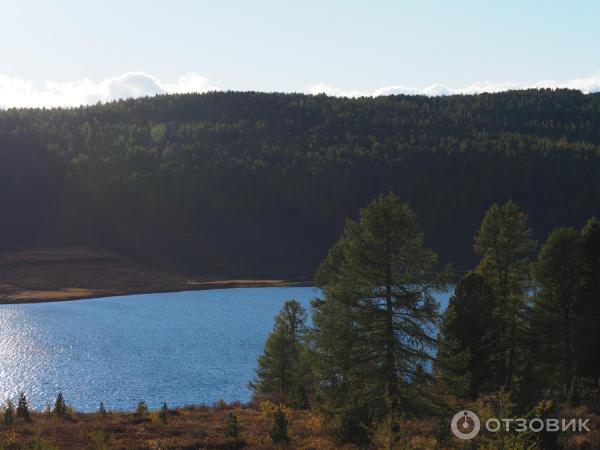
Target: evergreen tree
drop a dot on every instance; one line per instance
(233, 428)
(163, 414)
(282, 368)
(557, 272)
(452, 364)
(279, 431)
(9, 413)
(60, 408)
(574, 394)
(504, 242)
(467, 352)
(378, 281)
(141, 410)
(345, 390)
(588, 335)
(23, 408)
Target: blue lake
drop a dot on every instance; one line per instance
(183, 348)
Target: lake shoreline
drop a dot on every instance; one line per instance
(203, 286)
(66, 274)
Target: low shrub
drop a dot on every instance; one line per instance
(141, 410)
(221, 404)
(233, 429)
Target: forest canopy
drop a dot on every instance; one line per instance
(247, 183)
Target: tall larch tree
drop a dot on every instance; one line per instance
(282, 368)
(381, 276)
(466, 359)
(557, 273)
(588, 336)
(344, 390)
(505, 243)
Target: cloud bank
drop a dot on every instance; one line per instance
(587, 85)
(15, 92)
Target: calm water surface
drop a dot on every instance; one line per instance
(185, 347)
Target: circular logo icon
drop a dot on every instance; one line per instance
(465, 425)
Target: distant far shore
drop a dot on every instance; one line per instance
(75, 273)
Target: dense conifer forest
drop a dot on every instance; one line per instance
(230, 183)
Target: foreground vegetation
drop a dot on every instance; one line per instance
(232, 184)
(221, 426)
(519, 338)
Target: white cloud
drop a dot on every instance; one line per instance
(322, 88)
(586, 85)
(15, 92)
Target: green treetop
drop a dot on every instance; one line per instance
(378, 281)
(505, 242)
(281, 368)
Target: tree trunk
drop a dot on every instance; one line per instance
(392, 388)
(507, 310)
(567, 343)
(512, 345)
(392, 383)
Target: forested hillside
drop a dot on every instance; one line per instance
(260, 184)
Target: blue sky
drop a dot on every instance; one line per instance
(62, 51)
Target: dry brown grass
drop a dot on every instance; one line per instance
(194, 427)
(203, 427)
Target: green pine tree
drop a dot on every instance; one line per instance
(505, 242)
(467, 354)
(282, 371)
(279, 431)
(141, 410)
(60, 407)
(163, 413)
(345, 390)
(233, 429)
(557, 273)
(588, 331)
(378, 282)
(23, 408)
